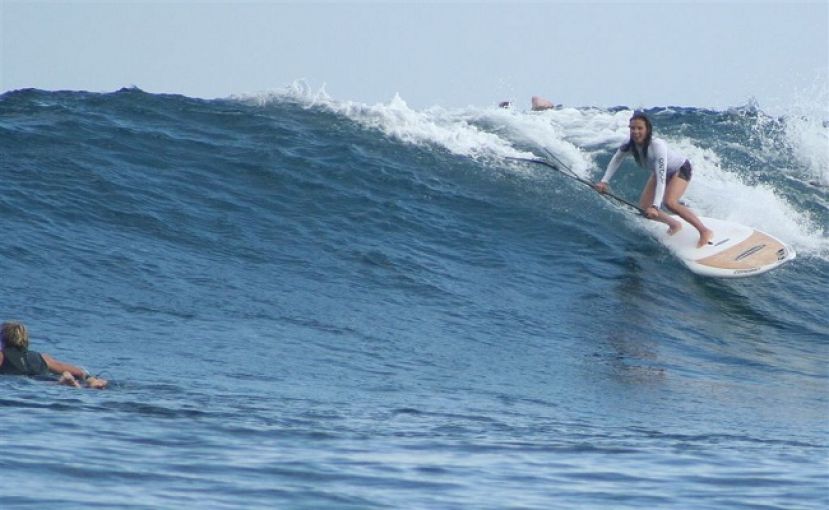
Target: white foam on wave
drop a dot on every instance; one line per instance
(570, 134)
(575, 137)
(450, 129)
(802, 125)
(438, 126)
(807, 128)
(808, 136)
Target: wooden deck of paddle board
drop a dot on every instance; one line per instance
(756, 251)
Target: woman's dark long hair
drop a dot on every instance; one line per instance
(630, 145)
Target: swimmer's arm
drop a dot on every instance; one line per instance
(59, 367)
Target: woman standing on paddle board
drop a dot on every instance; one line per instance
(671, 173)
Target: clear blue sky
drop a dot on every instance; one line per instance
(709, 54)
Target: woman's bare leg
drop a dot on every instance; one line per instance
(646, 200)
(673, 192)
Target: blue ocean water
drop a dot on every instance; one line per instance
(305, 303)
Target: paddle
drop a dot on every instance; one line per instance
(569, 173)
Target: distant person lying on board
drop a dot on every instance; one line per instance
(540, 104)
(17, 359)
(670, 176)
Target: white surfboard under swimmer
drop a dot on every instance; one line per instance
(736, 250)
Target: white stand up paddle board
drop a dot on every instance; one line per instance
(735, 251)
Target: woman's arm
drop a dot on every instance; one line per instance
(660, 170)
(614, 165)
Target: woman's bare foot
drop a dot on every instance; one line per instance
(674, 227)
(705, 237)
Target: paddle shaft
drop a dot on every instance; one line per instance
(569, 173)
